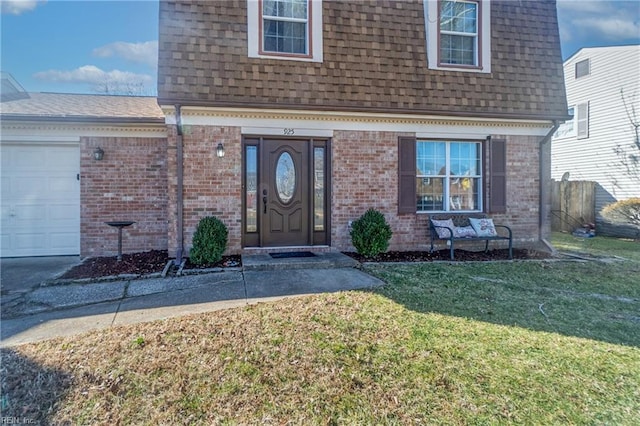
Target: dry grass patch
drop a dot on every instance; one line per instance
(339, 358)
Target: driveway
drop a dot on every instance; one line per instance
(21, 274)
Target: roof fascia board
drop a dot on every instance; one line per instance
(56, 129)
(80, 119)
(342, 110)
(323, 123)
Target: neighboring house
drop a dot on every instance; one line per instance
(289, 119)
(601, 141)
(327, 108)
(56, 197)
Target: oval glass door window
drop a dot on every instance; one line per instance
(285, 177)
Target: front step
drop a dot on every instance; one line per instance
(319, 260)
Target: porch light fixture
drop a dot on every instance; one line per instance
(220, 150)
(98, 154)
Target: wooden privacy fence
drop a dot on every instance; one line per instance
(573, 203)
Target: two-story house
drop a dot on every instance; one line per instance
(601, 143)
(288, 119)
(324, 109)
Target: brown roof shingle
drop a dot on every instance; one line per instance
(65, 106)
(374, 60)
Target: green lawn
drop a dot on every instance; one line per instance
(542, 342)
(598, 246)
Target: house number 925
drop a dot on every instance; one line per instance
(288, 132)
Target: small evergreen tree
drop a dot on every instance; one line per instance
(370, 234)
(209, 241)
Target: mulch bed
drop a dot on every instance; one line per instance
(148, 262)
(444, 255)
(226, 262)
(154, 261)
(135, 263)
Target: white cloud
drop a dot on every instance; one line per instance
(17, 7)
(144, 53)
(612, 20)
(611, 28)
(114, 81)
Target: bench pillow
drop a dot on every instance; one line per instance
(483, 227)
(464, 232)
(442, 232)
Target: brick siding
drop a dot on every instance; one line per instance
(523, 188)
(129, 183)
(365, 174)
(212, 185)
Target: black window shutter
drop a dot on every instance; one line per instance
(406, 175)
(498, 176)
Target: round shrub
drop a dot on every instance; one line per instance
(370, 234)
(209, 241)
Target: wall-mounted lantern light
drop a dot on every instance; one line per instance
(98, 154)
(220, 150)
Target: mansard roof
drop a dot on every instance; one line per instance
(375, 59)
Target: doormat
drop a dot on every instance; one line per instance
(289, 254)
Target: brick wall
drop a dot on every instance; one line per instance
(365, 174)
(212, 185)
(129, 183)
(523, 186)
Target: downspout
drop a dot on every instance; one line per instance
(544, 189)
(180, 189)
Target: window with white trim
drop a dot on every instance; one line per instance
(285, 29)
(285, 26)
(448, 176)
(459, 32)
(458, 35)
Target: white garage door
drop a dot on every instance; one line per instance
(40, 200)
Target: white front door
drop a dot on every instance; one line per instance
(40, 199)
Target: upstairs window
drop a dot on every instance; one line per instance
(458, 35)
(459, 32)
(583, 68)
(285, 29)
(285, 26)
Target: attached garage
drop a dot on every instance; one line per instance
(56, 196)
(40, 199)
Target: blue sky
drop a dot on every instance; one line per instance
(111, 46)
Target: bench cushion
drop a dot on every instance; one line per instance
(483, 227)
(442, 232)
(464, 232)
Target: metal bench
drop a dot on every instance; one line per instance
(460, 220)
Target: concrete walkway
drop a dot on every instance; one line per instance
(62, 310)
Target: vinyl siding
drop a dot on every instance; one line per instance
(594, 158)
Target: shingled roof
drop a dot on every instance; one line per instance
(374, 60)
(77, 107)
